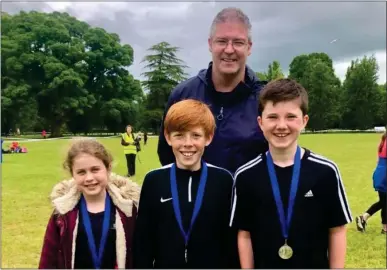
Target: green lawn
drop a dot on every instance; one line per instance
(27, 180)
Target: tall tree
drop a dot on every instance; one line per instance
(362, 94)
(65, 67)
(316, 73)
(166, 71)
(324, 94)
(299, 63)
(274, 71)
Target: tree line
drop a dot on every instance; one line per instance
(62, 75)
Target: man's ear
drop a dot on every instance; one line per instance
(167, 138)
(250, 44)
(210, 44)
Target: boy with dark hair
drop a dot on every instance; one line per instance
(290, 206)
(185, 207)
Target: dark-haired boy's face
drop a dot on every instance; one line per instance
(188, 147)
(282, 123)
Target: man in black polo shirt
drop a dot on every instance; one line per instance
(290, 206)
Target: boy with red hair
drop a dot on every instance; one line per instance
(184, 207)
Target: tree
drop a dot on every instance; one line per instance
(315, 72)
(274, 71)
(380, 110)
(324, 94)
(166, 71)
(66, 69)
(362, 94)
(298, 65)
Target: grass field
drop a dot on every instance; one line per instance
(27, 180)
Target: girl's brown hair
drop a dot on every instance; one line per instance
(87, 146)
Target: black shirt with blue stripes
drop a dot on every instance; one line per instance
(158, 241)
(320, 204)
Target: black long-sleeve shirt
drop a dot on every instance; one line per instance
(158, 241)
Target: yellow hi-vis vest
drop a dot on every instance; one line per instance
(129, 149)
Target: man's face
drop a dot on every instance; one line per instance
(230, 47)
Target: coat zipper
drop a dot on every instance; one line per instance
(220, 115)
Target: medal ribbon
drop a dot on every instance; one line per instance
(97, 258)
(285, 224)
(198, 201)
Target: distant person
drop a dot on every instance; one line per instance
(231, 90)
(44, 134)
(380, 185)
(130, 144)
(185, 207)
(145, 137)
(290, 205)
(94, 214)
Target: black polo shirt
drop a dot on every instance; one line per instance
(320, 204)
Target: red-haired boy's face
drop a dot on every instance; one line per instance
(188, 147)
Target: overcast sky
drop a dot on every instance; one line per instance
(281, 31)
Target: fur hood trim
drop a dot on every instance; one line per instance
(123, 191)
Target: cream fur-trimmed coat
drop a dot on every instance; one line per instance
(59, 243)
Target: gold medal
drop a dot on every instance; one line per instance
(285, 252)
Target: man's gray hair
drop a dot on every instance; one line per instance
(231, 14)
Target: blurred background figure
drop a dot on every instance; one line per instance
(380, 185)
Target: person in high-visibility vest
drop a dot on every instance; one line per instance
(130, 150)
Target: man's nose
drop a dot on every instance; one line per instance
(229, 47)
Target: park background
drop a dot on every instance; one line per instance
(89, 69)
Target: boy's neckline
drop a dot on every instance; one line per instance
(188, 170)
(177, 166)
(284, 159)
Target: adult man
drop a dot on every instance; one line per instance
(230, 88)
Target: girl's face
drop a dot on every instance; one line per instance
(90, 174)
(129, 130)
